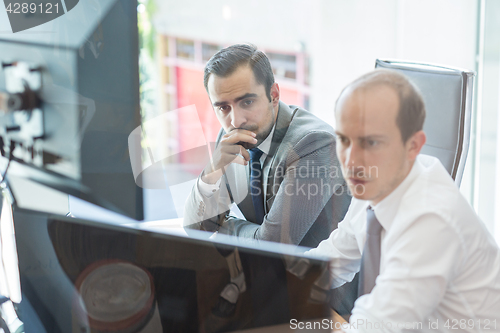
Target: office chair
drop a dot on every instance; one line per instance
(447, 94)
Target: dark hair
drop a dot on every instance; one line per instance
(411, 113)
(226, 61)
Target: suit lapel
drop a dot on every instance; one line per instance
(283, 120)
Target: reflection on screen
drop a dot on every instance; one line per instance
(80, 275)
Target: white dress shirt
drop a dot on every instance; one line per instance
(439, 266)
(208, 190)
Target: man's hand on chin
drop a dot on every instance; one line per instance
(230, 150)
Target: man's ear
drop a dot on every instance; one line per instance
(275, 94)
(415, 144)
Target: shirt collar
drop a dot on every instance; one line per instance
(386, 210)
(265, 145)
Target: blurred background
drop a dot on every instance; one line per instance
(315, 47)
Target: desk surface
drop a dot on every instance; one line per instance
(170, 225)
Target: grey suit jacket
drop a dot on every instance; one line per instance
(305, 193)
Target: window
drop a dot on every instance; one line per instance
(185, 49)
(284, 66)
(208, 50)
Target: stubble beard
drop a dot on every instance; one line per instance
(262, 135)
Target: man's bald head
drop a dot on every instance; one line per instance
(411, 114)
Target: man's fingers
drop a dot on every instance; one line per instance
(232, 149)
(234, 137)
(242, 131)
(239, 160)
(244, 153)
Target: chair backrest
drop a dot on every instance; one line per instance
(447, 94)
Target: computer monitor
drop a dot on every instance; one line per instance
(70, 92)
(74, 273)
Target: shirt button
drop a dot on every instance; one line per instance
(213, 191)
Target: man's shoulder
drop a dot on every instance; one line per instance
(306, 120)
(435, 192)
(305, 125)
(433, 177)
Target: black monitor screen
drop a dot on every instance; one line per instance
(80, 275)
(69, 100)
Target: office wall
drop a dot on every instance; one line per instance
(276, 24)
(349, 35)
(343, 37)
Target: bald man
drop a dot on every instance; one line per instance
(426, 261)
